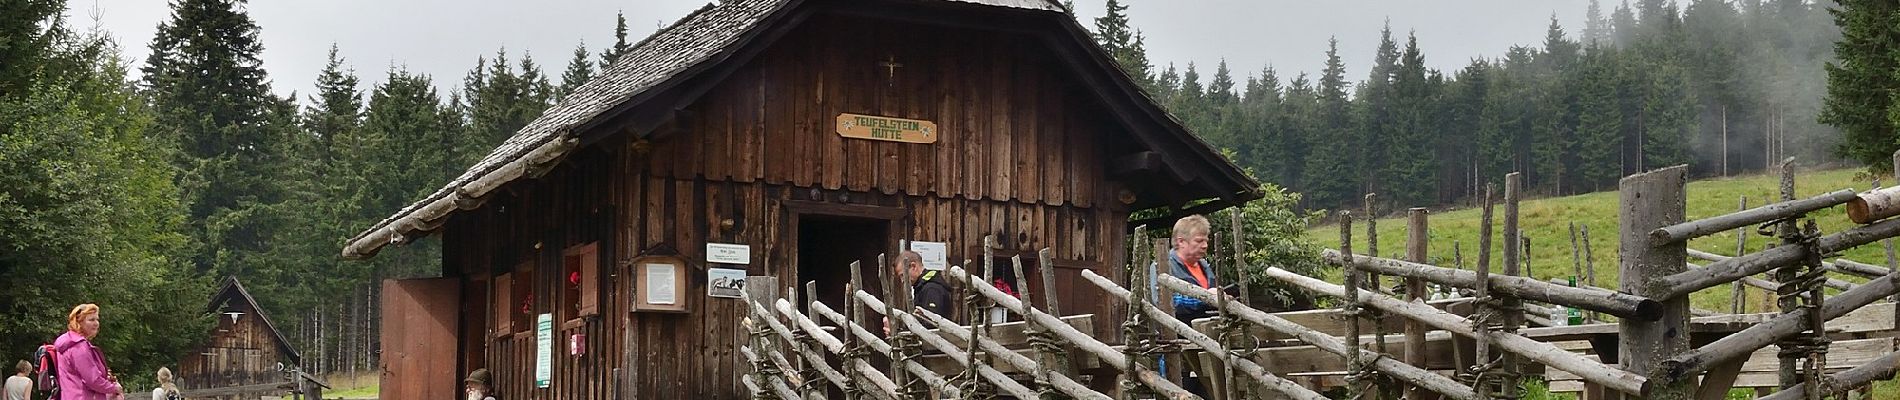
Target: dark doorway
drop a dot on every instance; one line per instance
(826, 247)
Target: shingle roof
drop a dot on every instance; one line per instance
(688, 42)
(701, 37)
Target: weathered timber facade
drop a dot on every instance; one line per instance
(1043, 144)
(244, 348)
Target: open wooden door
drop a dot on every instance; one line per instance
(419, 321)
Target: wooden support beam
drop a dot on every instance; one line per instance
(1750, 217)
(1735, 268)
(1716, 384)
(1406, 372)
(1543, 353)
(1648, 201)
(1788, 324)
(1613, 303)
(1106, 353)
(1879, 369)
(1168, 322)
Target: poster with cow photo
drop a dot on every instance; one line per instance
(728, 283)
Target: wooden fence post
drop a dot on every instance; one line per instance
(1416, 239)
(1231, 334)
(1648, 201)
(763, 290)
(810, 375)
(1376, 282)
(1482, 346)
(1739, 295)
(1589, 265)
(1136, 336)
(1512, 306)
(1353, 360)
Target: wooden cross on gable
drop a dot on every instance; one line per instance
(890, 65)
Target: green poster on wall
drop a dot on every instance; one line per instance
(544, 350)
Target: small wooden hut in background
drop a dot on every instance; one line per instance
(592, 254)
(245, 357)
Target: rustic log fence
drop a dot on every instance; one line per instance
(1653, 349)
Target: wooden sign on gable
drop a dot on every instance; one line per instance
(890, 129)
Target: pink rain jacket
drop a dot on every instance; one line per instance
(82, 369)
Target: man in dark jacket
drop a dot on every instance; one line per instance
(928, 289)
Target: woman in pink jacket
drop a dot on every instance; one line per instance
(82, 368)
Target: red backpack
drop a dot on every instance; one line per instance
(48, 378)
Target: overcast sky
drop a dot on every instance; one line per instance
(443, 37)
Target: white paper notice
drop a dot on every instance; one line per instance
(935, 254)
(660, 288)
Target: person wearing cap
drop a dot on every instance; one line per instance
(478, 386)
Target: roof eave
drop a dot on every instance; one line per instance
(426, 219)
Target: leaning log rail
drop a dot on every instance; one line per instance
(1750, 217)
(1327, 342)
(1543, 353)
(1725, 271)
(1618, 304)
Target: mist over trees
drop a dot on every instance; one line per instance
(1725, 86)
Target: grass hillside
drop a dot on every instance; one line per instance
(1547, 223)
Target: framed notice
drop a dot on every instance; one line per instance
(727, 253)
(724, 282)
(658, 282)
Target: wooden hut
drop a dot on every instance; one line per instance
(243, 357)
(786, 138)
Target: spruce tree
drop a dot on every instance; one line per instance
(1295, 121)
(1862, 83)
(1599, 121)
(1332, 179)
(1411, 163)
(210, 92)
(337, 109)
(620, 47)
(1124, 43)
(1623, 23)
(1596, 28)
(579, 70)
(1553, 119)
(1376, 121)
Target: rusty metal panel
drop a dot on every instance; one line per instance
(419, 321)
